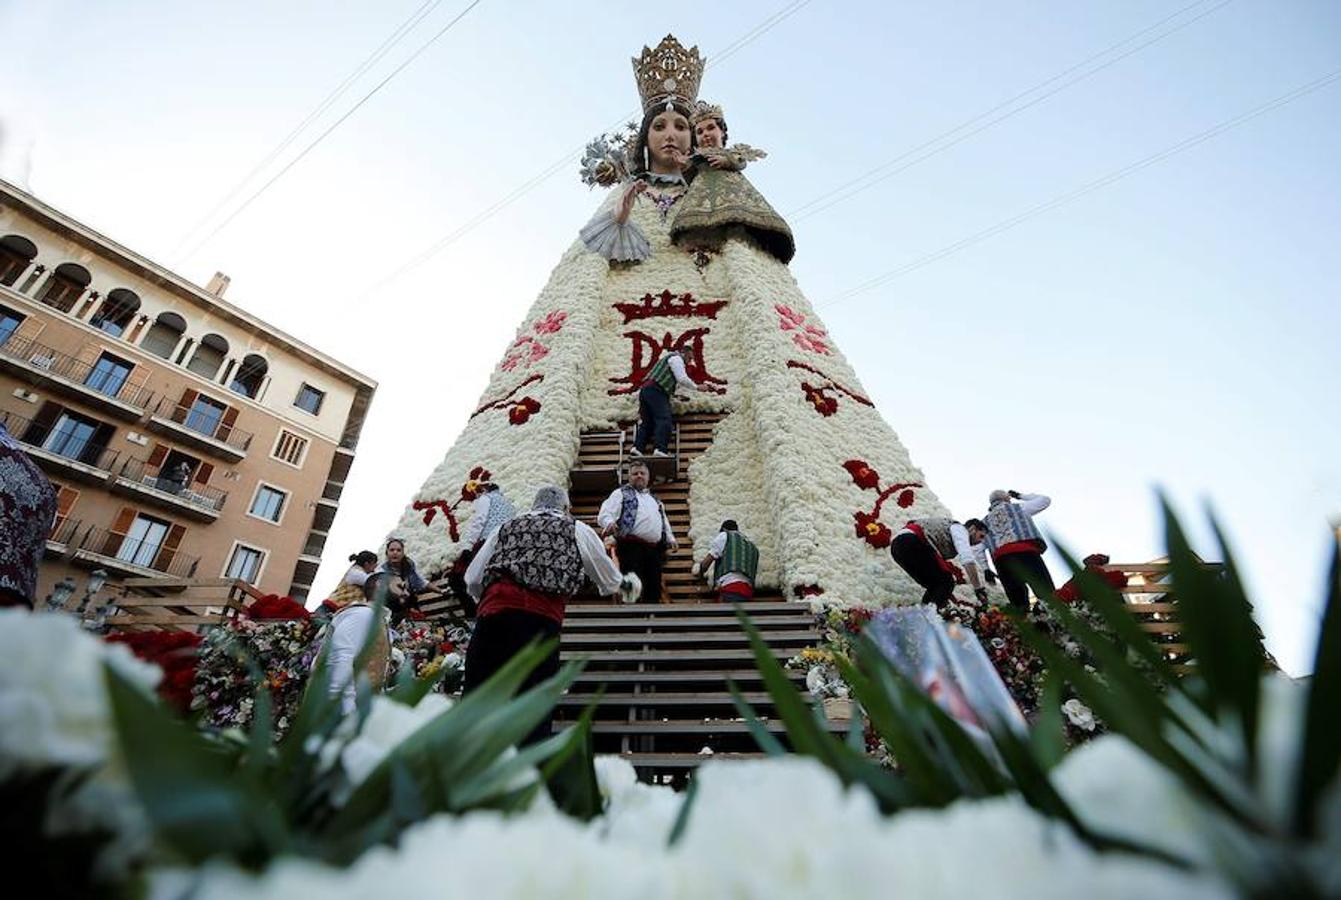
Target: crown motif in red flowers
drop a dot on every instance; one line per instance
(667, 304)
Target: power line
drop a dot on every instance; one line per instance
(336, 93)
(334, 125)
(940, 144)
(567, 159)
(1087, 188)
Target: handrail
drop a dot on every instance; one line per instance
(50, 360)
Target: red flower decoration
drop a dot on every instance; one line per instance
(862, 474)
(522, 411)
(905, 499)
(807, 590)
(872, 530)
(817, 397)
(273, 607)
(446, 647)
(175, 652)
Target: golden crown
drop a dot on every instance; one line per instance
(704, 110)
(668, 73)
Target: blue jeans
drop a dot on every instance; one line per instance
(654, 419)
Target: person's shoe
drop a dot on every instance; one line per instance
(660, 453)
(634, 451)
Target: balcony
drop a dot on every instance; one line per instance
(332, 491)
(77, 459)
(200, 430)
(41, 365)
(63, 535)
(316, 543)
(125, 556)
(138, 478)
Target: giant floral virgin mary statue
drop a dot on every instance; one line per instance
(800, 458)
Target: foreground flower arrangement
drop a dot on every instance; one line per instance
(1221, 785)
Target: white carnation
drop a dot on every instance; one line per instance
(53, 701)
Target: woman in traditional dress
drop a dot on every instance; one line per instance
(721, 201)
(349, 632)
(27, 507)
(364, 563)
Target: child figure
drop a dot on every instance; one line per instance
(720, 200)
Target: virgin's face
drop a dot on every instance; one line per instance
(709, 133)
(668, 134)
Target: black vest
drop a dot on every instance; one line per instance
(539, 552)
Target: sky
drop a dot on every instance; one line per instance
(1172, 330)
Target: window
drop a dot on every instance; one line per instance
(269, 503)
(250, 376)
(71, 436)
(116, 312)
(205, 415)
(9, 323)
(164, 335)
(16, 254)
(143, 541)
(209, 356)
(108, 375)
(245, 563)
(309, 399)
(65, 286)
(290, 448)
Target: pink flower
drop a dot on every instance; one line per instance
(790, 318)
(551, 323)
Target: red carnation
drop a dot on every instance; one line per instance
(175, 652)
(863, 475)
(273, 607)
(872, 530)
(522, 411)
(446, 647)
(905, 499)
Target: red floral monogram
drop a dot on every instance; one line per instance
(868, 525)
(811, 338)
(469, 491)
(648, 349)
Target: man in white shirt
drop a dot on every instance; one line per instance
(735, 562)
(928, 549)
(641, 531)
(655, 420)
(1017, 546)
(524, 575)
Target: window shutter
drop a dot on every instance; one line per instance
(120, 528)
(168, 551)
(45, 418)
(188, 399)
(65, 501)
(203, 473)
(156, 458)
(226, 426)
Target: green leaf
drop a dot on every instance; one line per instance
(1048, 736)
(1221, 634)
(410, 690)
(758, 730)
(185, 783)
(1320, 751)
(570, 772)
(681, 826)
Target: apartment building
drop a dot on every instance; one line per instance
(186, 437)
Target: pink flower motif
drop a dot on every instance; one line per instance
(538, 351)
(551, 323)
(808, 337)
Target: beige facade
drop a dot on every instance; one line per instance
(186, 437)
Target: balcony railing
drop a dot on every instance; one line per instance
(333, 490)
(315, 544)
(65, 531)
(63, 442)
(139, 471)
(111, 384)
(199, 420)
(138, 554)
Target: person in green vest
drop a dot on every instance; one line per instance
(735, 562)
(655, 420)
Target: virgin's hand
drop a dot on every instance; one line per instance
(626, 202)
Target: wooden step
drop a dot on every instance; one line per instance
(752, 607)
(630, 623)
(683, 760)
(666, 656)
(693, 726)
(572, 639)
(668, 698)
(679, 676)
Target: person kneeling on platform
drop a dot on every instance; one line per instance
(641, 531)
(523, 577)
(735, 562)
(927, 550)
(655, 420)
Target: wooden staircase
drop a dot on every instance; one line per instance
(664, 669)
